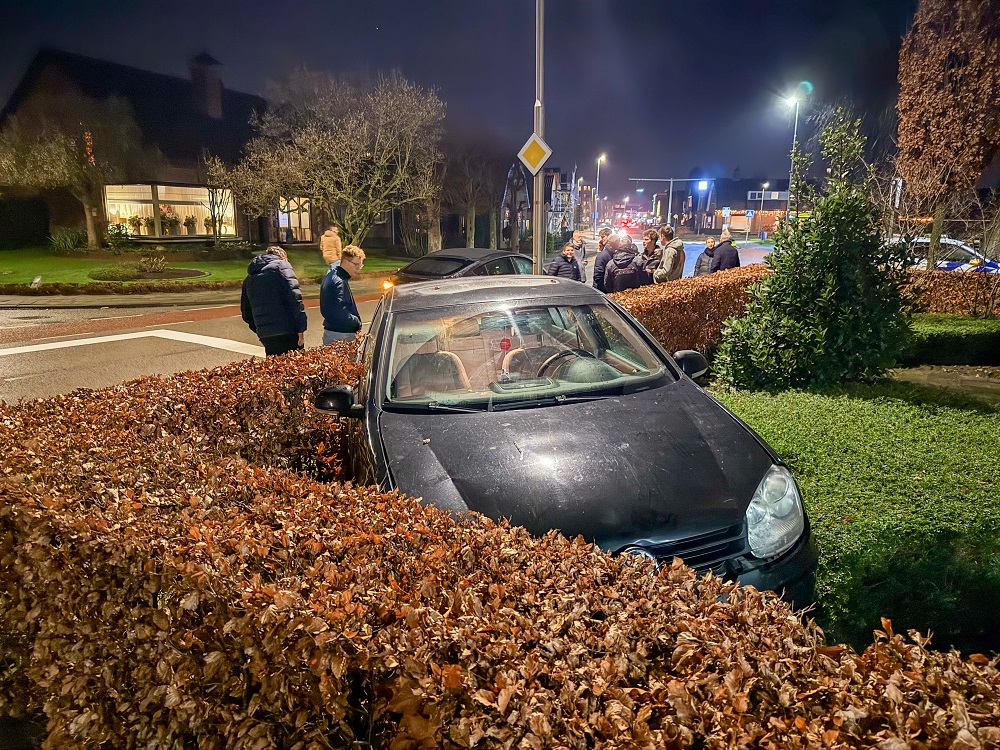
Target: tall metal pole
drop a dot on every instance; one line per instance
(791, 168)
(670, 205)
(597, 189)
(538, 212)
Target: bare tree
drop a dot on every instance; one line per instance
(74, 142)
(949, 101)
(475, 181)
(356, 153)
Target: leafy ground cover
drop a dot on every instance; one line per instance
(23, 266)
(902, 486)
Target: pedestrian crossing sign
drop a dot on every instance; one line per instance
(534, 153)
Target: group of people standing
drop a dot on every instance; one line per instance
(271, 302)
(620, 265)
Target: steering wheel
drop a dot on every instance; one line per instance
(558, 357)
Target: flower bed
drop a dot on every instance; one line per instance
(165, 580)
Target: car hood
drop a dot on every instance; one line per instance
(659, 465)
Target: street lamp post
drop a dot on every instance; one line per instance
(761, 222)
(597, 194)
(538, 212)
(793, 101)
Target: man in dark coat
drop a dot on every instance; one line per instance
(725, 254)
(625, 270)
(271, 302)
(566, 265)
(610, 244)
(341, 319)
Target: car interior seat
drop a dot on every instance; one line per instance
(432, 372)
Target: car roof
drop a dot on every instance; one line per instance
(467, 290)
(468, 253)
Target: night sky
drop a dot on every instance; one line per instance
(661, 86)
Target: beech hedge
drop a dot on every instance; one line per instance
(689, 313)
(168, 580)
(974, 293)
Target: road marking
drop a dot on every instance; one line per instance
(191, 338)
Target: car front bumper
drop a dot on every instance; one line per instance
(792, 576)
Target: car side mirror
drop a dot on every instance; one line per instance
(339, 400)
(692, 363)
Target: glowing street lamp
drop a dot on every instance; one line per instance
(793, 101)
(597, 194)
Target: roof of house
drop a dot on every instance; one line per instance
(165, 107)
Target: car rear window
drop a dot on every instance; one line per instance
(436, 266)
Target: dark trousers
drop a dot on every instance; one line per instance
(286, 342)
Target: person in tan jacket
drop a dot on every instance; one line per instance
(330, 246)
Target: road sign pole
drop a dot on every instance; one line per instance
(538, 211)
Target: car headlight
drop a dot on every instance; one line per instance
(775, 519)
(387, 285)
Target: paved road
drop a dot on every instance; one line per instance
(83, 351)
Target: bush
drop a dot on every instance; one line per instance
(128, 271)
(118, 239)
(152, 262)
(167, 582)
(953, 292)
(832, 309)
(64, 239)
(689, 313)
(952, 340)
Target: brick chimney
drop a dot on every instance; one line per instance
(207, 81)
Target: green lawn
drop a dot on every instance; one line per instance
(22, 266)
(902, 486)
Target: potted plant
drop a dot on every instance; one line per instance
(134, 224)
(209, 225)
(150, 223)
(190, 222)
(174, 223)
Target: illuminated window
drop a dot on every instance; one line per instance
(293, 220)
(181, 210)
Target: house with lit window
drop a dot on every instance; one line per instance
(188, 120)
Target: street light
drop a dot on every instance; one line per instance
(793, 101)
(597, 194)
(761, 223)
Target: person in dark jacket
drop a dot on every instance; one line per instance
(725, 254)
(652, 253)
(341, 319)
(703, 264)
(611, 244)
(566, 265)
(271, 302)
(625, 269)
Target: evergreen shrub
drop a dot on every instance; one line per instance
(831, 310)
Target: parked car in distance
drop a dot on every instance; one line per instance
(542, 401)
(952, 256)
(469, 261)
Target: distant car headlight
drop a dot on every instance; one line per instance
(387, 285)
(775, 519)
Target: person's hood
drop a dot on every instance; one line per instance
(665, 463)
(329, 233)
(676, 243)
(625, 255)
(262, 263)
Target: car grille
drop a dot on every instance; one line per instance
(702, 552)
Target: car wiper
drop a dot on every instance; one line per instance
(438, 406)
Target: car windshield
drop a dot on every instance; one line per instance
(515, 357)
(428, 266)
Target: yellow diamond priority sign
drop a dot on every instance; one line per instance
(534, 153)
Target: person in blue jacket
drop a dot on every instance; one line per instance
(341, 319)
(271, 302)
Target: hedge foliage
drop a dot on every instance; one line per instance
(689, 313)
(952, 340)
(973, 293)
(166, 581)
